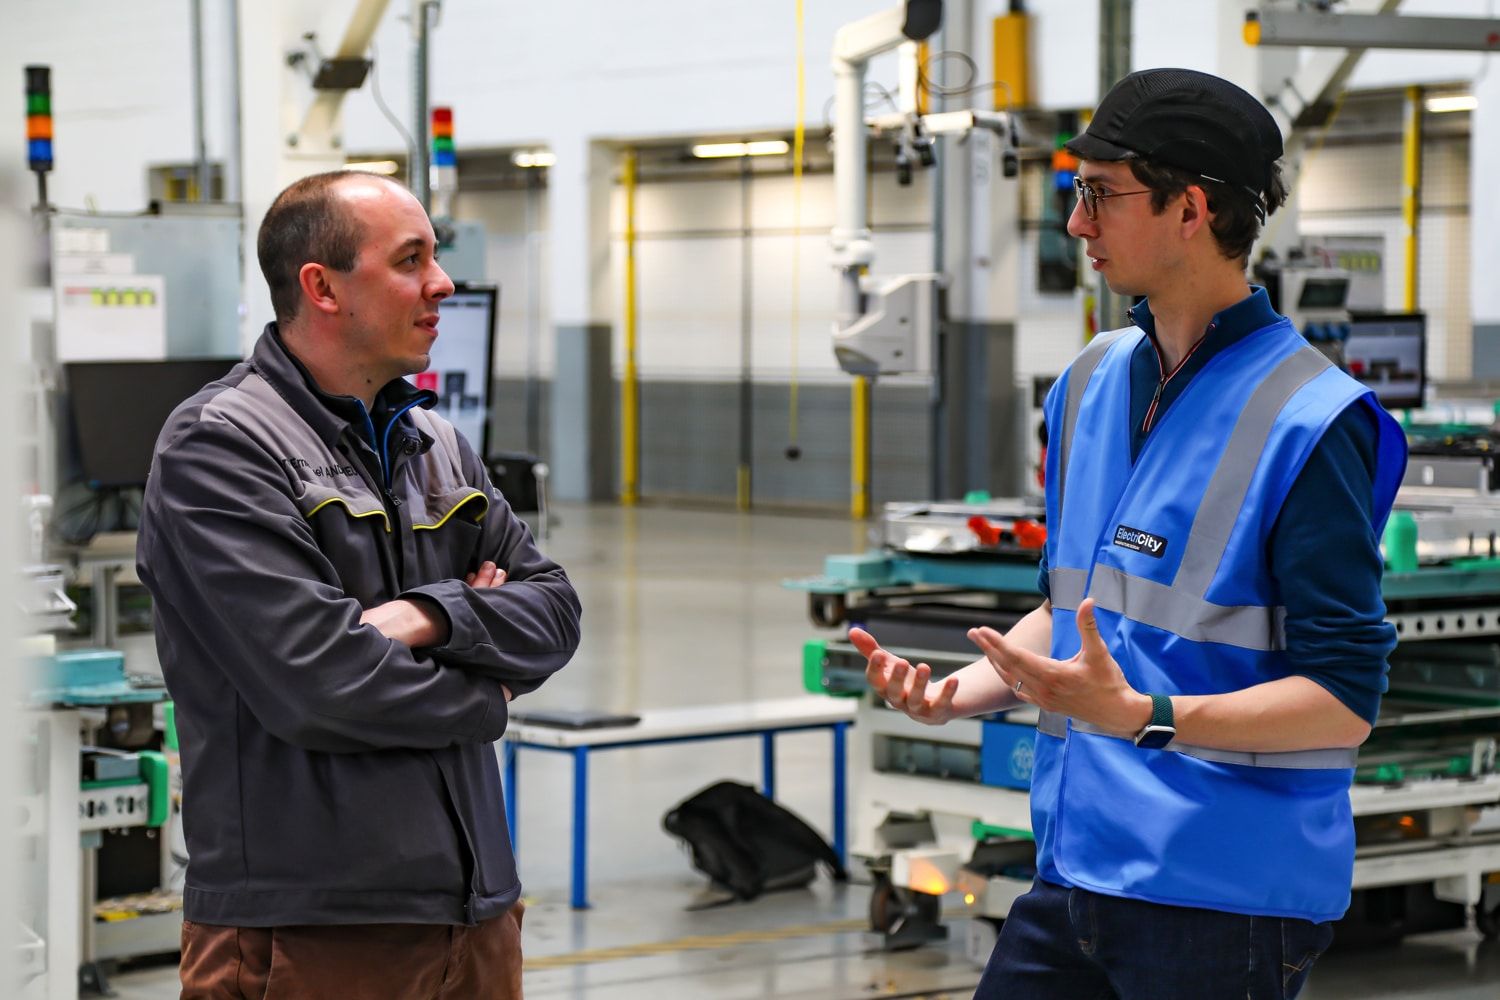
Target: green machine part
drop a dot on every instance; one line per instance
(155, 773)
(814, 665)
(813, 653)
(984, 831)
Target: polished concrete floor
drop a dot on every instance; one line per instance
(685, 607)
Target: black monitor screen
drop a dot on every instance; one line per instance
(1388, 353)
(1323, 293)
(119, 408)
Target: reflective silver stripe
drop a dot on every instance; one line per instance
(1066, 587)
(1079, 374)
(1056, 724)
(1181, 613)
(1226, 491)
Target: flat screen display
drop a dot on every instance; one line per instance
(462, 360)
(1388, 353)
(1323, 293)
(119, 407)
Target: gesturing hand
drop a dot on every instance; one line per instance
(904, 688)
(1089, 686)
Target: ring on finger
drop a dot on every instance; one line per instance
(1017, 687)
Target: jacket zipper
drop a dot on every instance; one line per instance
(1167, 376)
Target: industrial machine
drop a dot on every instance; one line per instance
(945, 810)
(94, 784)
(888, 324)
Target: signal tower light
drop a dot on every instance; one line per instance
(444, 175)
(39, 126)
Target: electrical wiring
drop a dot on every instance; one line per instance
(925, 81)
(412, 154)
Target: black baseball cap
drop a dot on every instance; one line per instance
(1186, 119)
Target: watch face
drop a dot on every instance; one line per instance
(1155, 737)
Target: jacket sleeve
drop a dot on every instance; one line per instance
(239, 580)
(522, 632)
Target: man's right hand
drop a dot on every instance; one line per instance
(903, 687)
(489, 575)
(400, 620)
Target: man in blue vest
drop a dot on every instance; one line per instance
(1211, 647)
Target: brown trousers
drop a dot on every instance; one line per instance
(354, 962)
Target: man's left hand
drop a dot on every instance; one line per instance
(1090, 686)
(415, 623)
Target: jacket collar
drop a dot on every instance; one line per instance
(329, 415)
(1228, 325)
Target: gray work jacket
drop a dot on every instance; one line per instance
(332, 775)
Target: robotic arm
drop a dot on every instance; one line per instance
(885, 325)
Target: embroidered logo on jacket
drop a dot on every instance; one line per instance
(1137, 540)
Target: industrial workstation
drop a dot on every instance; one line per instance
(668, 500)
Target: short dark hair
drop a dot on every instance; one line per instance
(307, 224)
(1237, 218)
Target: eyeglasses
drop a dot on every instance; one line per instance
(1092, 198)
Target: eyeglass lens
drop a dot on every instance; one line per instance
(1088, 195)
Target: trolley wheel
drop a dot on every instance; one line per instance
(905, 917)
(1487, 921)
(826, 610)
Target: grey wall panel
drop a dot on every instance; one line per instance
(689, 439)
(508, 431)
(1487, 350)
(585, 425)
(820, 476)
(899, 418)
(198, 257)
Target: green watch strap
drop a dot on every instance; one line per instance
(1161, 710)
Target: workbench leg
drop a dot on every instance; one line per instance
(580, 828)
(509, 750)
(768, 763)
(840, 833)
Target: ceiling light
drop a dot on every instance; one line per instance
(765, 147)
(1452, 102)
(387, 167)
(534, 158)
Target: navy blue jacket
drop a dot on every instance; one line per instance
(1327, 569)
(332, 775)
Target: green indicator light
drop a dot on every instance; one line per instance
(38, 104)
(441, 145)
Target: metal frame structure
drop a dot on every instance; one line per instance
(579, 744)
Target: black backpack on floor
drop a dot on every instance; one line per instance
(748, 844)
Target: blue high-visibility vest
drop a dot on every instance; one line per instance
(1173, 550)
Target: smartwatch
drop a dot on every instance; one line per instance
(1159, 731)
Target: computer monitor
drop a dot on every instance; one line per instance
(462, 360)
(119, 407)
(1388, 353)
(1321, 291)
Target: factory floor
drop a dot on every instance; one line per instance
(685, 607)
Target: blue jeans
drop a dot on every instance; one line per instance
(1080, 945)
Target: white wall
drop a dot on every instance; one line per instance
(121, 90)
(565, 74)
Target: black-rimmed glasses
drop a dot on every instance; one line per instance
(1091, 197)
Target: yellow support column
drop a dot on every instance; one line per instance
(859, 451)
(1411, 189)
(630, 404)
(1012, 70)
